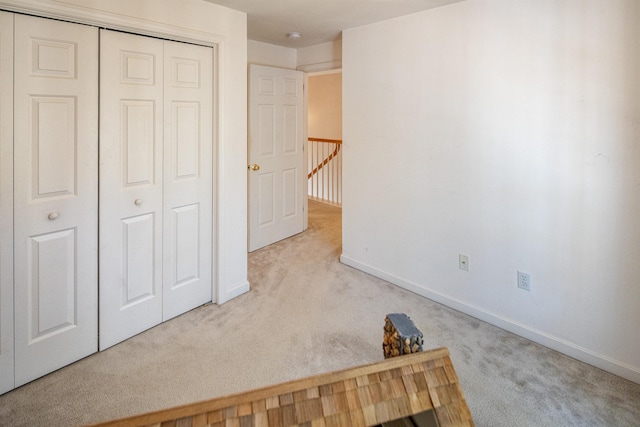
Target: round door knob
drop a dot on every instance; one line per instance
(53, 215)
(138, 202)
(254, 167)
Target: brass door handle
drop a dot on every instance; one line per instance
(254, 167)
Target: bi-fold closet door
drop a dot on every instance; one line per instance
(49, 186)
(155, 182)
(151, 189)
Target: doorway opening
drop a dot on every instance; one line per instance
(324, 143)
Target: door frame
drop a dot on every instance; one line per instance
(305, 132)
(6, 208)
(308, 74)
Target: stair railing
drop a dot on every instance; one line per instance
(324, 160)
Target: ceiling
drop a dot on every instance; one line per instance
(318, 21)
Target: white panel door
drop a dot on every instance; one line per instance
(131, 161)
(55, 192)
(6, 202)
(188, 190)
(277, 175)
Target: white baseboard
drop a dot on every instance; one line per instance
(231, 293)
(563, 346)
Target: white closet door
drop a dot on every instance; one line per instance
(131, 161)
(188, 152)
(6, 202)
(55, 191)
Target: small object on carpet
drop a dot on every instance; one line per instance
(400, 336)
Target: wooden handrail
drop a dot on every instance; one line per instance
(325, 186)
(325, 161)
(335, 141)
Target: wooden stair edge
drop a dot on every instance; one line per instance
(219, 403)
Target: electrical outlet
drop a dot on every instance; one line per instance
(524, 281)
(463, 262)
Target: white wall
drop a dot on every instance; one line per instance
(271, 55)
(192, 20)
(508, 131)
(320, 57)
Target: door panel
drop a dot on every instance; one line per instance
(53, 146)
(188, 174)
(290, 188)
(55, 191)
(185, 119)
(266, 199)
(291, 131)
(266, 140)
(6, 202)
(186, 222)
(276, 141)
(156, 182)
(131, 156)
(139, 146)
(51, 278)
(138, 259)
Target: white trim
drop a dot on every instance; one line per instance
(233, 292)
(219, 128)
(563, 346)
(7, 352)
(104, 19)
(305, 165)
(322, 73)
(216, 118)
(321, 66)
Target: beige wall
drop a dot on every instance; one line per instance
(508, 131)
(325, 105)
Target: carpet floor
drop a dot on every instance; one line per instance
(307, 313)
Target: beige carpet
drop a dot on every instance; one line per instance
(307, 313)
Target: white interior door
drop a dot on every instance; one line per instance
(6, 202)
(188, 189)
(277, 175)
(131, 161)
(55, 192)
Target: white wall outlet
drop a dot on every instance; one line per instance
(524, 281)
(463, 262)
